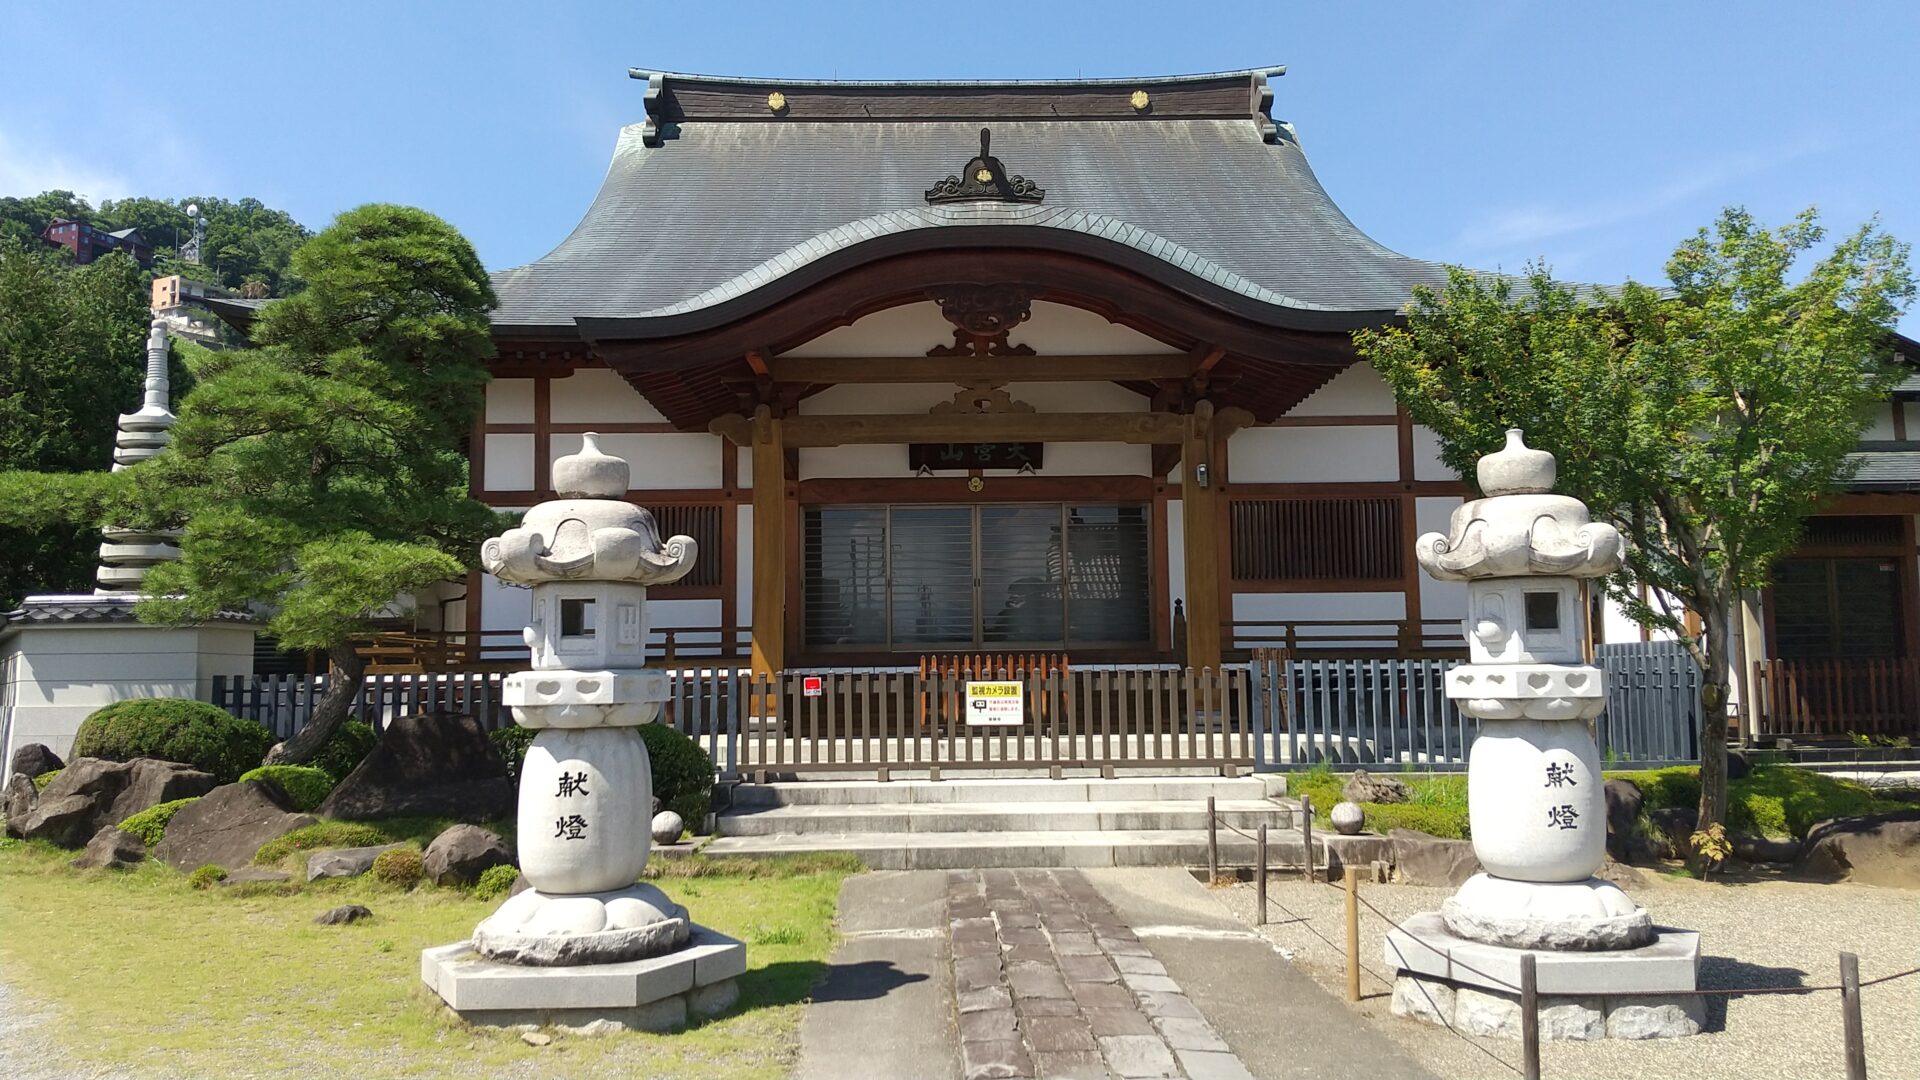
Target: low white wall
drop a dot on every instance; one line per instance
(59, 674)
(1314, 455)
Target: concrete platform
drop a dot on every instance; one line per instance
(656, 994)
(1470, 986)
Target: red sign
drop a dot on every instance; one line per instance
(810, 686)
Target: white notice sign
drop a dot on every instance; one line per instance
(995, 704)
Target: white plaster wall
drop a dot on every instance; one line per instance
(1357, 391)
(743, 457)
(677, 461)
(599, 396)
(1880, 427)
(58, 675)
(510, 401)
(1614, 624)
(1913, 418)
(889, 459)
(1312, 611)
(912, 329)
(1313, 455)
(503, 606)
(508, 465)
(1426, 456)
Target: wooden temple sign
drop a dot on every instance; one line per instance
(939, 457)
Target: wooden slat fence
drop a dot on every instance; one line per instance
(1831, 699)
(1653, 702)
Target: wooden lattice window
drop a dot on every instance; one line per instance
(1317, 540)
(1847, 531)
(703, 524)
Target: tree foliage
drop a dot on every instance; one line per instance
(1705, 421)
(319, 477)
(72, 356)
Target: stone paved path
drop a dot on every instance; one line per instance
(1049, 982)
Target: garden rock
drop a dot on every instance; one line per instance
(16, 802)
(667, 827)
(1364, 787)
(1759, 849)
(428, 765)
(1675, 826)
(1879, 849)
(111, 849)
(1624, 804)
(228, 825)
(34, 759)
(1430, 860)
(344, 862)
(90, 794)
(462, 853)
(1620, 874)
(256, 875)
(342, 915)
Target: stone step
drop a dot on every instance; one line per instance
(1107, 815)
(968, 851)
(1013, 790)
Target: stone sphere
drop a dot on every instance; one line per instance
(667, 827)
(1347, 818)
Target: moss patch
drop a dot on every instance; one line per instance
(151, 824)
(243, 983)
(1436, 803)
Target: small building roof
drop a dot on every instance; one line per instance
(720, 193)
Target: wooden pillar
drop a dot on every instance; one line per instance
(769, 544)
(1200, 522)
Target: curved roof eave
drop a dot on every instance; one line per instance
(919, 229)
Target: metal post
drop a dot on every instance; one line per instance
(1529, 1019)
(1850, 1014)
(1353, 933)
(1213, 845)
(1260, 880)
(1306, 832)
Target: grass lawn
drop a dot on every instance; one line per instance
(148, 975)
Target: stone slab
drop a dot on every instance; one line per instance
(1423, 945)
(470, 983)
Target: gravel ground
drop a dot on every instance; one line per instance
(1769, 933)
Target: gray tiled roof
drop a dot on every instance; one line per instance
(721, 207)
(89, 608)
(1886, 470)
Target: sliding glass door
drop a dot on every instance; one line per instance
(1004, 576)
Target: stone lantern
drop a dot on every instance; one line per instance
(586, 795)
(1536, 798)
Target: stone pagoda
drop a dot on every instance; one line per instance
(587, 941)
(1535, 794)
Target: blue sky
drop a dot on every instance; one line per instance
(1593, 135)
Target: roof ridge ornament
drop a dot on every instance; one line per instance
(983, 179)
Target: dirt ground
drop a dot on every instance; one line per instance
(1756, 933)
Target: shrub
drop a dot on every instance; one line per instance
(401, 868)
(151, 824)
(1780, 800)
(1662, 789)
(173, 729)
(207, 876)
(682, 773)
(351, 742)
(321, 834)
(1447, 822)
(495, 882)
(511, 744)
(304, 784)
(40, 782)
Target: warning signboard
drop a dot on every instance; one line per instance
(810, 686)
(995, 704)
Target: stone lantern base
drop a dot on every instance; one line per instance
(1583, 915)
(1639, 993)
(661, 993)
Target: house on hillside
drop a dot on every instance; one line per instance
(88, 243)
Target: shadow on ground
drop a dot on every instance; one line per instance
(867, 980)
(1726, 973)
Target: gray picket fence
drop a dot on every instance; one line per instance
(1396, 712)
(1295, 713)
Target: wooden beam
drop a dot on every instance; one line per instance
(1137, 428)
(736, 429)
(953, 489)
(1200, 529)
(972, 369)
(769, 544)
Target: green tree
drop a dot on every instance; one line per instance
(22, 220)
(1705, 422)
(318, 477)
(72, 357)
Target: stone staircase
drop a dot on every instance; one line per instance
(969, 823)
